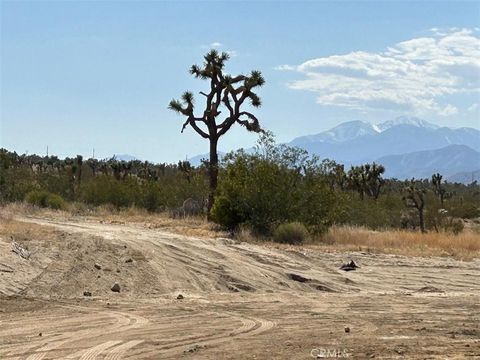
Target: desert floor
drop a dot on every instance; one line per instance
(240, 300)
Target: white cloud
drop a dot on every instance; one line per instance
(418, 75)
(216, 44)
(232, 53)
(284, 67)
(473, 108)
(448, 110)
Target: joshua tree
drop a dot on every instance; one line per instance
(93, 164)
(366, 179)
(186, 168)
(229, 92)
(415, 198)
(438, 188)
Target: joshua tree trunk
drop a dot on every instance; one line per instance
(420, 218)
(415, 198)
(213, 173)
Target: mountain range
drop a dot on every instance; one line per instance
(407, 147)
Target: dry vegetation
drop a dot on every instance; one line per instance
(10, 229)
(464, 246)
(191, 226)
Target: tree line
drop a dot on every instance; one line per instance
(263, 189)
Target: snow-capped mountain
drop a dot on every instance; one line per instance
(356, 141)
(406, 120)
(346, 131)
(352, 130)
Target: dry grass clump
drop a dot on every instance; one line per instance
(290, 233)
(25, 232)
(464, 246)
(189, 226)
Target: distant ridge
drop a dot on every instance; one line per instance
(125, 157)
(466, 177)
(448, 161)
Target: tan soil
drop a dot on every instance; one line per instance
(240, 300)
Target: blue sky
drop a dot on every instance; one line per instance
(82, 75)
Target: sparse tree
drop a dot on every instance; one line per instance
(366, 180)
(229, 92)
(438, 188)
(415, 198)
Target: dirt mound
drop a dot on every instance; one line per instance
(72, 258)
(209, 298)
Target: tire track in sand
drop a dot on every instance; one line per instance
(119, 351)
(92, 353)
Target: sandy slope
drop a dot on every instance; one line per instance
(240, 300)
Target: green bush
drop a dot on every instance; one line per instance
(290, 233)
(454, 226)
(280, 185)
(45, 199)
(225, 213)
(55, 201)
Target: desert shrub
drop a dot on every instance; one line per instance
(275, 185)
(464, 210)
(108, 190)
(55, 201)
(227, 212)
(290, 233)
(455, 226)
(384, 212)
(44, 199)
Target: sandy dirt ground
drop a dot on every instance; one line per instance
(238, 300)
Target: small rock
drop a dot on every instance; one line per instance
(87, 293)
(39, 334)
(118, 270)
(347, 329)
(194, 349)
(430, 289)
(179, 297)
(299, 278)
(129, 260)
(97, 266)
(98, 276)
(351, 266)
(115, 288)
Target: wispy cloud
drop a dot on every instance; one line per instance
(216, 44)
(473, 108)
(419, 75)
(285, 67)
